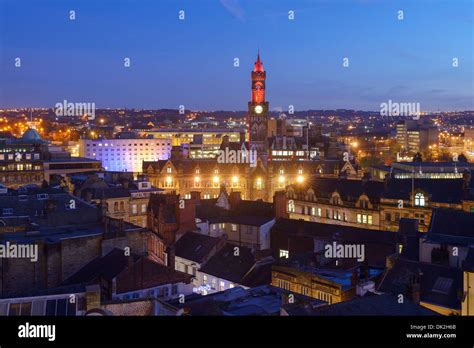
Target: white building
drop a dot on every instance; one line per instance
(125, 155)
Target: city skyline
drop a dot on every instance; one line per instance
(81, 60)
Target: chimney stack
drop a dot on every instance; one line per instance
(413, 289)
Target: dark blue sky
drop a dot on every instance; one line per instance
(190, 62)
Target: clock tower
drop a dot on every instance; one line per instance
(258, 111)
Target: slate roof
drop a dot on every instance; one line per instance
(370, 304)
(106, 267)
(455, 227)
(109, 192)
(438, 190)
(225, 265)
(252, 213)
(146, 273)
(195, 247)
(260, 300)
(349, 190)
(377, 244)
(397, 277)
(330, 232)
(46, 206)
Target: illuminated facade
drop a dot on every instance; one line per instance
(21, 160)
(376, 205)
(125, 155)
(204, 136)
(258, 111)
(184, 176)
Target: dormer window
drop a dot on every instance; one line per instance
(336, 199)
(420, 200)
(168, 170)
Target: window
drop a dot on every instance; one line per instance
(213, 283)
(291, 206)
(221, 286)
(231, 286)
(284, 253)
(388, 216)
(420, 200)
(143, 208)
(169, 170)
(134, 209)
(319, 212)
(359, 218)
(204, 279)
(234, 227)
(369, 219)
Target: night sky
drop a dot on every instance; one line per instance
(191, 62)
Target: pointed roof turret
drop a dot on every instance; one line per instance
(258, 67)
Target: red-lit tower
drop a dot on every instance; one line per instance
(258, 111)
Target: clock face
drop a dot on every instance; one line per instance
(258, 109)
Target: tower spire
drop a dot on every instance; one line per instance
(258, 67)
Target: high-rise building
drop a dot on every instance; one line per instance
(414, 137)
(125, 155)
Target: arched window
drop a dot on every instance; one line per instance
(116, 206)
(336, 199)
(420, 199)
(291, 206)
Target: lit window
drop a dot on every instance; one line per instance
(284, 253)
(420, 200)
(291, 206)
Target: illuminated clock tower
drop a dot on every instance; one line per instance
(258, 111)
